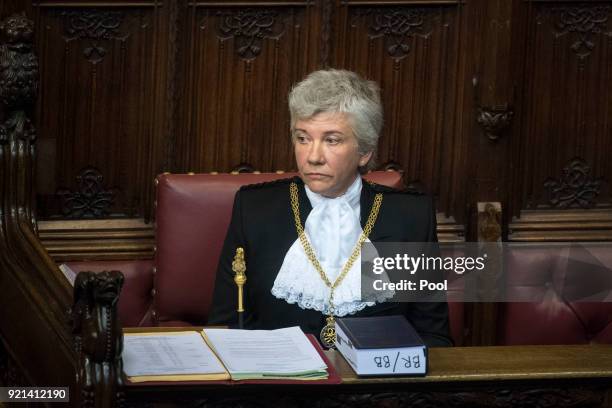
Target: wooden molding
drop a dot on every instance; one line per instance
(449, 230)
(239, 3)
(562, 225)
(399, 2)
(68, 240)
(79, 240)
(79, 4)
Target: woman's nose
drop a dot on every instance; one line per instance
(315, 153)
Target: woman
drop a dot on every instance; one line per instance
(307, 279)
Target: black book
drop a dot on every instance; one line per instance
(381, 345)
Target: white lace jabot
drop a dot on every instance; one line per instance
(332, 228)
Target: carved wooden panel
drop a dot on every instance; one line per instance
(413, 52)
(142, 87)
(102, 103)
(236, 71)
(563, 138)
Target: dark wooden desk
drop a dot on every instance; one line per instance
(527, 376)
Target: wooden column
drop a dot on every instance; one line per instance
(34, 297)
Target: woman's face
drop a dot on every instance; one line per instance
(327, 153)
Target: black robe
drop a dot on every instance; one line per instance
(263, 224)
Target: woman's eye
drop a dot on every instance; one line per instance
(332, 140)
(300, 138)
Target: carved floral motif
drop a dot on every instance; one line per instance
(575, 187)
(93, 25)
(398, 26)
(249, 27)
(582, 21)
(91, 200)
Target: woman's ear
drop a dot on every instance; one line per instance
(365, 158)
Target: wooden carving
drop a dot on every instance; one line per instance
(398, 26)
(575, 187)
(501, 398)
(249, 27)
(18, 77)
(92, 200)
(489, 222)
(326, 28)
(584, 22)
(494, 120)
(98, 338)
(93, 25)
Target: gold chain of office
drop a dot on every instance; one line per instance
(328, 333)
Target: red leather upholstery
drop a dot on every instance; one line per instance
(136, 298)
(537, 271)
(192, 215)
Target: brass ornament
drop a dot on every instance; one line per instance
(239, 269)
(328, 333)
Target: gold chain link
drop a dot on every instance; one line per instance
(293, 192)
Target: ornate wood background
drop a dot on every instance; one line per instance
(485, 100)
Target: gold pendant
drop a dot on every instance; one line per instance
(328, 333)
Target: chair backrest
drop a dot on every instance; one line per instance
(192, 216)
(542, 272)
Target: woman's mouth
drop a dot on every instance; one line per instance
(317, 176)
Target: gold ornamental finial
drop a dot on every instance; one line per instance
(239, 268)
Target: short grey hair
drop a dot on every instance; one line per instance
(340, 91)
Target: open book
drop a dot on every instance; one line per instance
(221, 354)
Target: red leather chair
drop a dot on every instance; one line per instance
(537, 275)
(192, 216)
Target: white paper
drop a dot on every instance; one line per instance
(168, 354)
(68, 273)
(282, 351)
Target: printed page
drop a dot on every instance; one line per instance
(172, 353)
(69, 274)
(282, 352)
